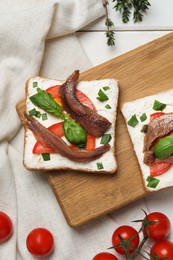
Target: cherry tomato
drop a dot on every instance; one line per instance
(40, 242)
(162, 249)
(126, 232)
(6, 227)
(104, 256)
(160, 229)
(158, 168)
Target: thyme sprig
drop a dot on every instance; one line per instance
(125, 8)
(109, 23)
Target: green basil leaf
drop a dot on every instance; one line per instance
(133, 121)
(35, 84)
(32, 112)
(74, 133)
(164, 147)
(102, 96)
(106, 139)
(45, 101)
(158, 106)
(144, 128)
(44, 116)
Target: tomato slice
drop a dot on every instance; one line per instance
(154, 115)
(54, 91)
(91, 142)
(158, 168)
(39, 148)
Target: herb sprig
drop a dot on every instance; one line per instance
(126, 8)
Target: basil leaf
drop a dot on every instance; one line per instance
(143, 117)
(45, 101)
(44, 116)
(74, 133)
(35, 84)
(32, 112)
(102, 96)
(164, 147)
(106, 139)
(158, 106)
(152, 182)
(133, 121)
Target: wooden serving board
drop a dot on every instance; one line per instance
(84, 196)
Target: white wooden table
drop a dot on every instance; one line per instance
(157, 22)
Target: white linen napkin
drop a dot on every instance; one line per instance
(37, 38)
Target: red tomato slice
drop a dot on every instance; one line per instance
(39, 148)
(91, 142)
(54, 91)
(157, 169)
(154, 115)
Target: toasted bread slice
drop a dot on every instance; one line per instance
(144, 106)
(108, 109)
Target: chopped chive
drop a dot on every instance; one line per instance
(106, 87)
(158, 106)
(102, 96)
(143, 117)
(133, 121)
(38, 114)
(108, 106)
(106, 139)
(100, 166)
(144, 128)
(44, 116)
(152, 182)
(46, 156)
(32, 112)
(35, 84)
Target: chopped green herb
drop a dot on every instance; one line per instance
(108, 106)
(152, 182)
(38, 114)
(143, 117)
(100, 166)
(144, 128)
(158, 106)
(44, 116)
(35, 84)
(106, 139)
(133, 121)
(33, 112)
(102, 96)
(46, 156)
(106, 87)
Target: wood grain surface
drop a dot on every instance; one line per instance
(84, 196)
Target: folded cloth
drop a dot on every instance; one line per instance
(37, 37)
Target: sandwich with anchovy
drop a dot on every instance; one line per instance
(150, 125)
(70, 125)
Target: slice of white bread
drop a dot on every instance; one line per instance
(57, 162)
(138, 107)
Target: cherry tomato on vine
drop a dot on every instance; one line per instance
(127, 233)
(162, 249)
(6, 227)
(40, 242)
(105, 256)
(158, 230)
